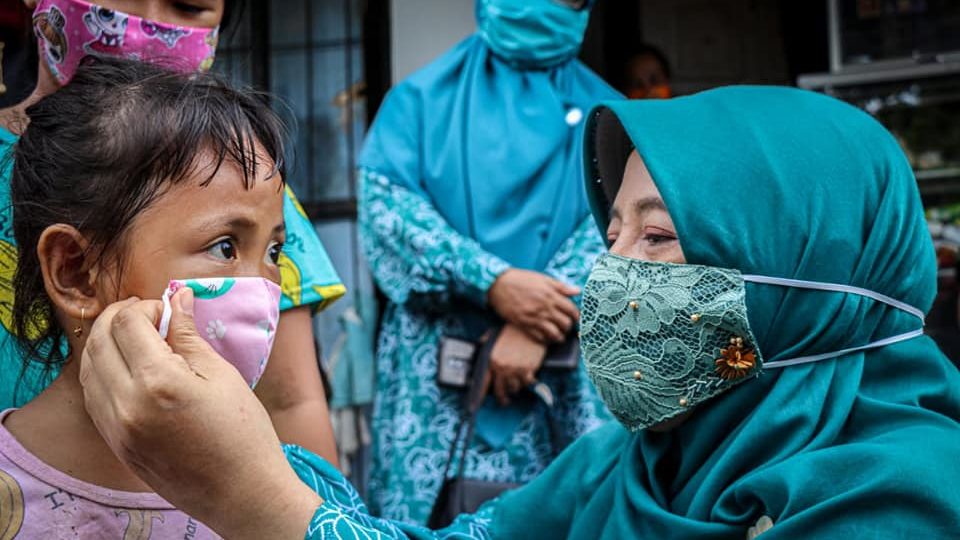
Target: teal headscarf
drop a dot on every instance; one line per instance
(494, 146)
(785, 183)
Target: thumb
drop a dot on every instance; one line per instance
(183, 337)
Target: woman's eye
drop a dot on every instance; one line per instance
(224, 249)
(656, 239)
(274, 253)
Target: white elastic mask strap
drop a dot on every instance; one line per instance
(165, 317)
(833, 354)
(834, 287)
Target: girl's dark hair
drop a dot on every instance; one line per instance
(102, 149)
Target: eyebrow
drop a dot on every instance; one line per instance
(240, 222)
(642, 207)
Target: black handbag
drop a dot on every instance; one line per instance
(460, 495)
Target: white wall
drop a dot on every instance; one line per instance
(421, 30)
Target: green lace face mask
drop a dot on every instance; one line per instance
(660, 338)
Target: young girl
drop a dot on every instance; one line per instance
(181, 35)
(125, 179)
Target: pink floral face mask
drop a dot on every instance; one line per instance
(69, 32)
(237, 316)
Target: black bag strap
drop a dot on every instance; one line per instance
(472, 401)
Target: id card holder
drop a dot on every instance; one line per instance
(455, 362)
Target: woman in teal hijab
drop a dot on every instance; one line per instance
(472, 216)
(756, 330)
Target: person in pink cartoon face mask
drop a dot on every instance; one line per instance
(180, 35)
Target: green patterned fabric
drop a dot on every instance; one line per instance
(436, 281)
(344, 516)
(652, 333)
(784, 183)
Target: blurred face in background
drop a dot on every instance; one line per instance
(646, 77)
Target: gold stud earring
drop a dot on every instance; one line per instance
(78, 331)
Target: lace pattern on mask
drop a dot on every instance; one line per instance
(652, 333)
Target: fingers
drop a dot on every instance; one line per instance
(503, 281)
(562, 321)
(183, 336)
(500, 389)
(565, 289)
(135, 332)
(551, 330)
(487, 380)
(510, 384)
(105, 357)
(561, 310)
(569, 309)
(537, 334)
(514, 361)
(104, 374)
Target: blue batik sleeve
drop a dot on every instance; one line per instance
(343, 515)
(413, 252)
(573, 261)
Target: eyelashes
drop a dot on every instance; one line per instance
(657, 239)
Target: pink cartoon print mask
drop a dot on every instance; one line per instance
(71, 31)
(237, 316)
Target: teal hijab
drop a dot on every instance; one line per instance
(784, 183)
(489, 133)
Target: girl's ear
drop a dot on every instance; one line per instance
(68, 277)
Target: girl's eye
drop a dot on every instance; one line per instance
(274, 253)
(224, 249)
(189, 8)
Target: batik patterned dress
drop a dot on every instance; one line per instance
(436, 281)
